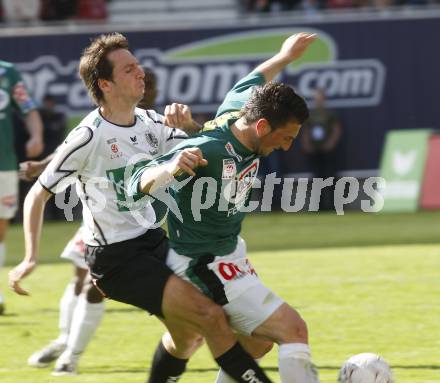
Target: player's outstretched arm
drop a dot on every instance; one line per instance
(155, 177)
(32, 222)
(292, 48)
(180, 116)
(34, 126)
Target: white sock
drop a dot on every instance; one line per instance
(2, 254)
(86, 319)
(294, 363)
(223, 377)
(67, 306)
(2, 261)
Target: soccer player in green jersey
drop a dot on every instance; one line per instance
(222, 163)
(13, 97)
(126, 258)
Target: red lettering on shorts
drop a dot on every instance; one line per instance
(227, 270)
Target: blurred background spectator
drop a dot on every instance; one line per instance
(136, 11)
(320, 136)
(54, 131)
(54, 123)
(31, 11)
(21, 10)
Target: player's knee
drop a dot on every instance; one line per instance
(262, 349)
(302, 331)
(188, 345)
(296, 331)
(182, 344)
(212, 317)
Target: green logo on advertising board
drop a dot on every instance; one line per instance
(402, 168)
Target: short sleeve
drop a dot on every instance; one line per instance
(240, 93)
(22, 100)
(70, 158)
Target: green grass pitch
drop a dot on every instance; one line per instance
(364, 283)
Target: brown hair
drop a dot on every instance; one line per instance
(95, 65)
(277, 103)
(150, 94)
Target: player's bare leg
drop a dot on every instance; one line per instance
(286, 327)
(180, 343)
(3, 229)
(183, 303)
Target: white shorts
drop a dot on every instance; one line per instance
(232, 282)
(75, 250)
(8, 194)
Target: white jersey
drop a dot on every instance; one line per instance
(98, 156)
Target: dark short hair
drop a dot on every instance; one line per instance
(277, 103)
(94, 63)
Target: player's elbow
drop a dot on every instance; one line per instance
(37, 195)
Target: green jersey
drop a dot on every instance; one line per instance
(13, 96)
(211, 203)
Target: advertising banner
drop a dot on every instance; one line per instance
(402, 167)
(430, 198)
(372, 82)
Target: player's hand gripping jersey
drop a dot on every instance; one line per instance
(227, 180)
(97, 156)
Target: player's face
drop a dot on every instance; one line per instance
(128, 76)
(280, 138)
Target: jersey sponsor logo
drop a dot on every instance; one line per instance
(116, 153)
(230, 149)
(117, 179)
(192, 74)
(238, 190)
(229, 169)
(249, 376)
(111, 141)
(4, 99)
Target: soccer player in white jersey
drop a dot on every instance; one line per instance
(82, 306)
(126, 256)
(206, 248)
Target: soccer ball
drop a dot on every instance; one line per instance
(365, 368)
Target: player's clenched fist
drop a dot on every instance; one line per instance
(187, 160)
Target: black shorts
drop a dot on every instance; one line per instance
(132, 271)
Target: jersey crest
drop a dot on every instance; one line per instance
(229, 169)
